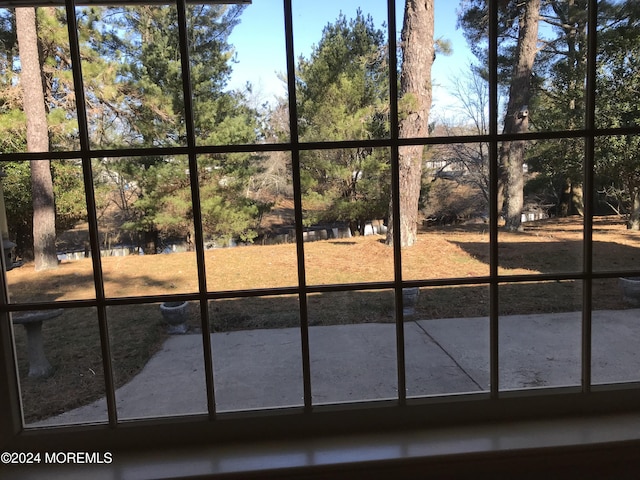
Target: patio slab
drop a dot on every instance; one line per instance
(543, 350)
(263, 368)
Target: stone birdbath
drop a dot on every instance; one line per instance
(39, 366)
(176, 315)
(630, 288)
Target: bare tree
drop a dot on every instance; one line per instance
(44, 215)
(418, 53)
(472, 92)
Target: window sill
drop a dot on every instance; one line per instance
(576, 447)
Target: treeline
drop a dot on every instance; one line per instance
(543, 80)
(131, 64)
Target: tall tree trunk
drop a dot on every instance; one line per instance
(564, 207)
(577, 199)
(516, 120)
(44, 227)
(418, 53)
(634, 218)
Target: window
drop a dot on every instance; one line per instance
(276, 224)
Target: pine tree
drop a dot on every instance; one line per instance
(44, 228)
(342, 92)
(418, 54)
(154, 115)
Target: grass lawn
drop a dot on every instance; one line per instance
(137, 331)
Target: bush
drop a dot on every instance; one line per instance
(450, 202)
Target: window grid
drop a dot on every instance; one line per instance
(203, 296)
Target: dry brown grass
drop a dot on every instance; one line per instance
(550, 246)
(136, 332)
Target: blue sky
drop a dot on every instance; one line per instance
(260, 45)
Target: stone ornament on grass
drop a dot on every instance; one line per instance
(630, 288)
(39, 366)
(175, 314)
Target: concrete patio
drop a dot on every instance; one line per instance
(263, 368)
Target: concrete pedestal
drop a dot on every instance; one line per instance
(39, 366)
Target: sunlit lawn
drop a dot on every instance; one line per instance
(136, 332)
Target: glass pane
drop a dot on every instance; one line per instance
(447, 341)
(345, 201)
(145, 225)
(540, 334)
(158, 360)
(543, 207)
(257, 353)
(459, 96)
(453, 214)
(60, 366)
(64, 271)
(249, 98)
(342, 70)
(617, 67)
(560, 69)
(247, 200)
(352, 341)
(53, 109)
(615, 334)
(528, 253)
(614, 245)
(553, 178)
(132, 76)
(618, 185)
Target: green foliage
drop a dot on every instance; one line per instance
(558, 101)
(562, 99)
(342, 92)
(149, 55)
(473, 18)
(69, 199)
(159, 186)
(225, 219)
(227, 212)
(12, 120)
(153, 80)
(133, 85)
(618, 89)
(560, 163)
(17, 198)
(13, 131)
(68, 187)
(343, 85)
(61, 117)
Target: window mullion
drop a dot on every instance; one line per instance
(187, 92)
(297, 197)
(94, 238)
(493, 203)
(587, 248)
(395, 191)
